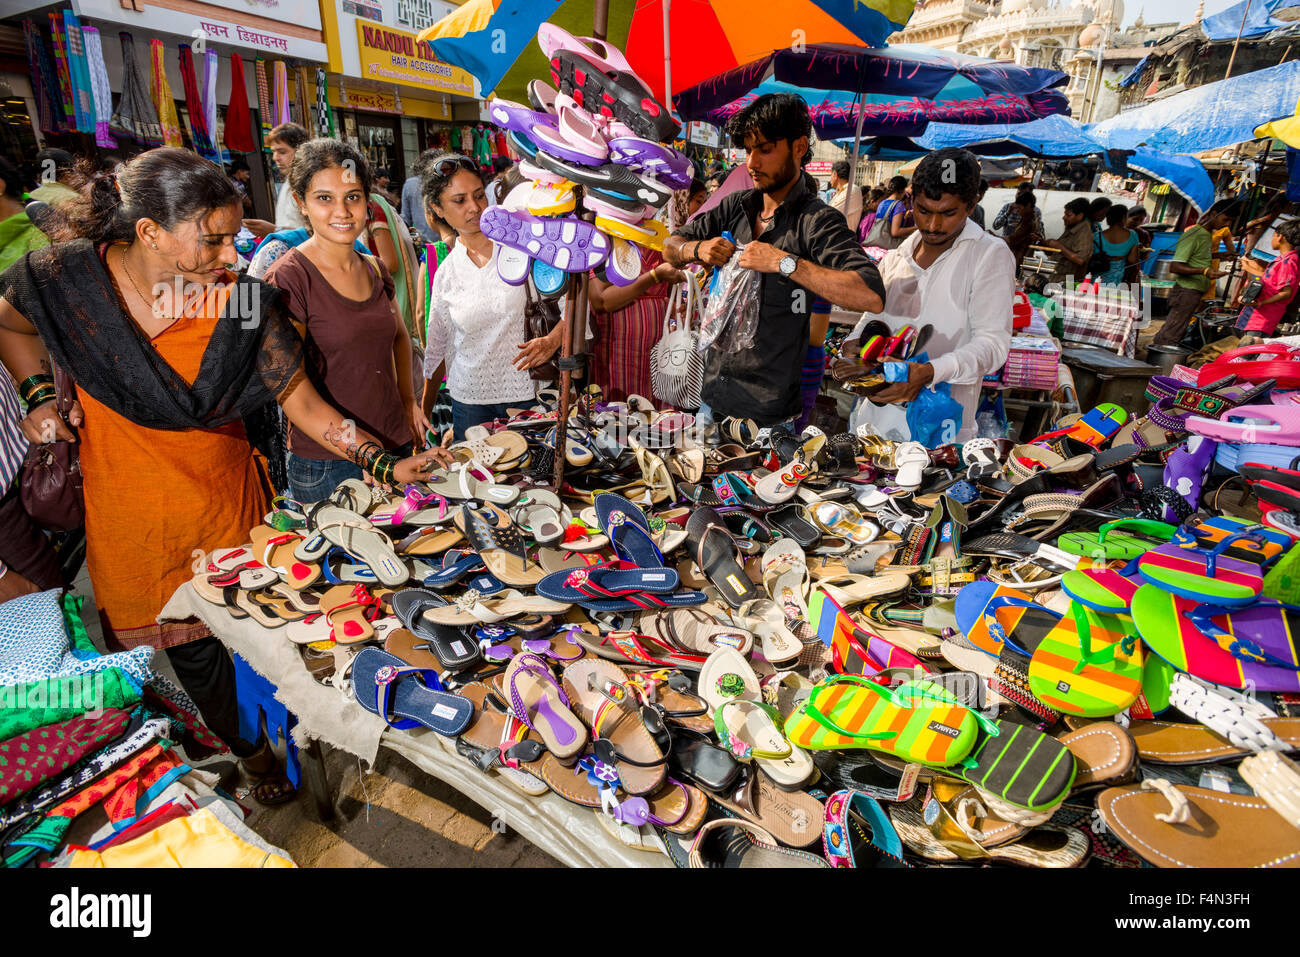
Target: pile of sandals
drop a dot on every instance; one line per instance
(744, 647)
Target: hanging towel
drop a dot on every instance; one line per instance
(323, 125)
(162, 97)
(103, 93)
(83, 97)
(239, 130)
(61, 71)
(263, 96)
(135, 118)
(194, 105)
(210, 101)
(45, 85)
(281, 75)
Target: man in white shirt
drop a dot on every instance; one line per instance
(845, 197)
(952, 275)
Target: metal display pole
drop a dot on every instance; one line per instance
(572, 349)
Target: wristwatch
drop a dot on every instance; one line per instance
(788, 265)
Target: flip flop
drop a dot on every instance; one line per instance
(605, 588)
(663, 162)
(407, 697)
(1103, 590)
(726, 676)
(696, 631)
(789, 520)
(276, 550)
(1025, 768)
(786, 578)
(777, 488)
(567, 243)
(766, 621)
(843, 519)
(499, 545)
(790, 816)
(752, 731)
(854, 649)
(345, 608)
(447, 644)
(1268, 546)
(333, 525)
(713, 548)
(617, 90)
(1172, 825)
(1105, 755)
(599, 693)
(1090, 664)
(1233, 647)
(1209, 577)
(628, 530)
(989, 615)
(849, 590)
(538, 700)
(1280, 425)
(1106, 545)
(574, 135)
(917, 722)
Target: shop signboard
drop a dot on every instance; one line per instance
(388, 55)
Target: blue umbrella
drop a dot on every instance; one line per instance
(903, 89)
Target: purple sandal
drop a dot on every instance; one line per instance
(566, 242)
(538, 700)
(666, 164)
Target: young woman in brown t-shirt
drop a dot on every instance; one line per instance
(358, 349)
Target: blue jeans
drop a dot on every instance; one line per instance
(311, 480)
(465, 416)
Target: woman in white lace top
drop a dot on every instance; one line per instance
(476, 325)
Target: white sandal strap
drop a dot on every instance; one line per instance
(1275, 778)
(1227, 713)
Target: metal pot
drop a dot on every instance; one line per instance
(1166, 357)
(1162, 269)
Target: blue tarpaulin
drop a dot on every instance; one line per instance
(1217, 114)
(1051, 137)
(1184, 174)
(1134, 73)
(1225, 24)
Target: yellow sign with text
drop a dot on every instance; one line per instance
(396, 56)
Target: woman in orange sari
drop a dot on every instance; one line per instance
(169, 351)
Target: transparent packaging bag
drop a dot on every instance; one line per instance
(731, 315)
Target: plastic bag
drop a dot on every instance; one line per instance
(731, 316)
(934, 417)
(991, 419)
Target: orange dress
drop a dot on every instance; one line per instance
(155, 499)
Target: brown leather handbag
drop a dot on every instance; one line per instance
(50, 480)
(541, 316)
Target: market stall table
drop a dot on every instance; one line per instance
(570, 833)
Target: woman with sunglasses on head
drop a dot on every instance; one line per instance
(163, 383)
(476, 319)
(358, 349)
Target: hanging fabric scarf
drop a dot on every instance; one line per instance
(44, 83)
(210, 100)
(99, 86)
(163, 99)
(263, 96)
(281, 93)
(239, 133)
(61, 71)
(323, 125)
(135, 117)
(194, 105)
(83, 97)
(301, 100)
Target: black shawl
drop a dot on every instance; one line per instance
(66, 293)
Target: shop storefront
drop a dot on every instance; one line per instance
(393, 97)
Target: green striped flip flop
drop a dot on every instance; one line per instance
(1019, 765)
(1103, 590)
(1089, 665)
(1107, 544)
(919, 722)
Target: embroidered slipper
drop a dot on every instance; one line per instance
(1233, 647)
(538, 700)
(407, 697)
(599, 694)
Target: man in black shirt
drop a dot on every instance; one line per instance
(806, 250)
